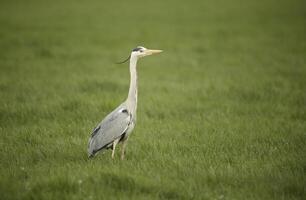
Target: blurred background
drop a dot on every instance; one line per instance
(221, 111)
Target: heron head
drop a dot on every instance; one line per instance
(142, 52)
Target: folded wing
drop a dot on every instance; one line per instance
(113, 126)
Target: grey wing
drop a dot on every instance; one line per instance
(112, 127)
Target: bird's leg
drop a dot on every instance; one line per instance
(124, 143)
(114, 146)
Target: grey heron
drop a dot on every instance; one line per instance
(118, 125)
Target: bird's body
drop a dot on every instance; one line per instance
(117, 126)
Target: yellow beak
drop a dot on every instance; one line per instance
(152, 51)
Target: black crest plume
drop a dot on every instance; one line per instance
(124, 60)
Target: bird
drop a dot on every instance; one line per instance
(117, 126)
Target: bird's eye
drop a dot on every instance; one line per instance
(140, 51)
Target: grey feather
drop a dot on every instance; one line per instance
(112, 127)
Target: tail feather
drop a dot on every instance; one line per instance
(90, 149)
(93, 150)
(91, 155)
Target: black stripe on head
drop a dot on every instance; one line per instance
(137, 49)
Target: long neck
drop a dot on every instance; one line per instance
(132, 96)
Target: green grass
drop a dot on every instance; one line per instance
(221, 114)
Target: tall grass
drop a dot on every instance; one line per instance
(221, 111)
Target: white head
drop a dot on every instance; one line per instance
(140, 52)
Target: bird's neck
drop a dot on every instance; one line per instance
(132, 96)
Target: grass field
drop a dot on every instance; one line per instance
(221, 114)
